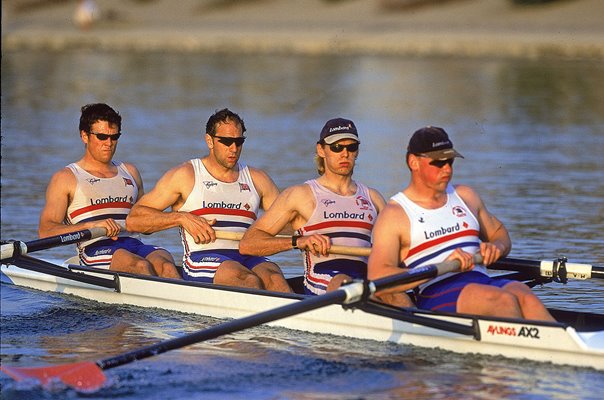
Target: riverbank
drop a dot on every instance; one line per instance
(473, 28)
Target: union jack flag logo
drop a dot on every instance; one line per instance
(244, 186)
(128, 182)
(363, 203)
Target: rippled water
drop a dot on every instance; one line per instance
(532, 133)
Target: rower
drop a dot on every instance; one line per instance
(99, 192)
(214, 191)
(331, 209)
(431, 221)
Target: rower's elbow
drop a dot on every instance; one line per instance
(245, 248)
(131, 225)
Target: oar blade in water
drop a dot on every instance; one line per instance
(83, 376)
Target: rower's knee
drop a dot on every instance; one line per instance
(144, 267)
(488, 300)
(530, 301)
(252, 281)
(167, 269)
(337, 281)
(234, 274)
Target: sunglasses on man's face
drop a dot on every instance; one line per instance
(442, 163)
(228, 141)
(104, 136)
(338, 148)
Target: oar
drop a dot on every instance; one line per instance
(16, 248)
(89, 376)
(334, 249)
(558, 270)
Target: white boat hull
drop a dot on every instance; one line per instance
(555, 343)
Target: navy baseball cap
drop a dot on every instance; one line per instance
(338, 129)
(432, 142)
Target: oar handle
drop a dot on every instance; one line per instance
(334, 249)
(16, 248)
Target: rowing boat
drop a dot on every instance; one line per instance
(577, 339)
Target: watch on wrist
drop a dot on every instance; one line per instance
(295, 241)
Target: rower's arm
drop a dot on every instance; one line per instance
(260, 239)
(148, 215)
(496, 242)
(390, 245)
(59, 193)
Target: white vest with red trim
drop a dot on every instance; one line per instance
(435, 234)
(347, 220)
(101, 198)
(234, 206)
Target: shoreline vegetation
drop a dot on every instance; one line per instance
(533, 29)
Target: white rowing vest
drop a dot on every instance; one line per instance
(101, 198)
(348, 221)
(234, 206)
(435, 234)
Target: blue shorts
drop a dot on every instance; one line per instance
(442, 296)
(316, 281)
(99, 254)
(201, 266)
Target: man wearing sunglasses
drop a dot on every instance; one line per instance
(216, 191)
(99, 192)
(431, 221)
(332, 209)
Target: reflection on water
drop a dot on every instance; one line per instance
(532, 133)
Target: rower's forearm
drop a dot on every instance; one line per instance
(145, 219)
(263, 244)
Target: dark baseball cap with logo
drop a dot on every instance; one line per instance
(338, 129)
(432, 142)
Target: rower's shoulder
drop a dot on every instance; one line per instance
(258, 173)
(467, 193)
(300, 193)
(377, 198)
(178, 174)
(63, 176)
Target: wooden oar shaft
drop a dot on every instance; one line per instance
(334, 249)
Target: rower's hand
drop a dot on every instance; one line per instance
(465, 259)
(490, 253)
(318, 245)
(112, 228)
(198, 227)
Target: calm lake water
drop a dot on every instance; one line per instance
(532, 133)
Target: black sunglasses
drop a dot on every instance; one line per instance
(338, 148)
(441, 163)
(104, 136)
(228, 141)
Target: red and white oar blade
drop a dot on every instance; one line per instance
(82, 376)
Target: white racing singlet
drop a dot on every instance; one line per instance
(435, 234)
(348, 221)
(234, 206)
(101, 198)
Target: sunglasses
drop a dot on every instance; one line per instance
(338, 148)
(104, 136)
(441, 163)
(228, 141)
